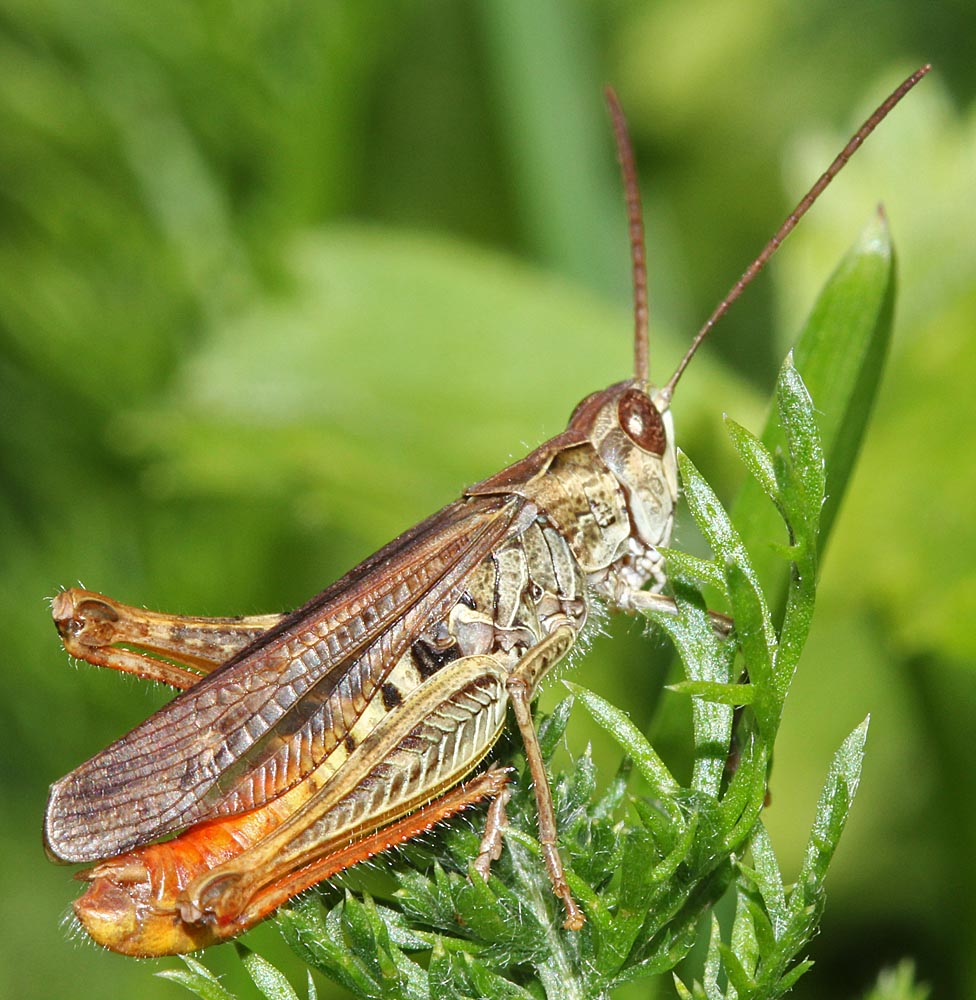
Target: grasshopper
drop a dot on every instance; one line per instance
(303, 743)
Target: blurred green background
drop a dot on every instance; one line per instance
(279, 279)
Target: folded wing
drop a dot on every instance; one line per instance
(258, 724)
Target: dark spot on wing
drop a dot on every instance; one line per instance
(391, 696)
(429, 660)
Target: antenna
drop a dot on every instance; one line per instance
(635, 218)
(791, 220)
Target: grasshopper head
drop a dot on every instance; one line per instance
(629, 425)
(609, 482)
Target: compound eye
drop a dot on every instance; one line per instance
(641, 422)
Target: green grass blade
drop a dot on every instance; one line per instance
(840, 356)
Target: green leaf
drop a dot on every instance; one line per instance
(756, 457)
(751, 615)
(842, 351)
(748, 931)
(683, 565)
(791, 976)
(447, 975)
(553, 727)
(803, 484)
(197, 978)
(617, 723)
(639, 880)
(427, 899)
(803, 442)
(745, 795)
(832, 811)
(272, 983)
(724, 694)
(713, 961)
(769, 880)
(840, 356)
(705, 658)
(492, 913)
(488, 983)
(739, 979)
(723, 539)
